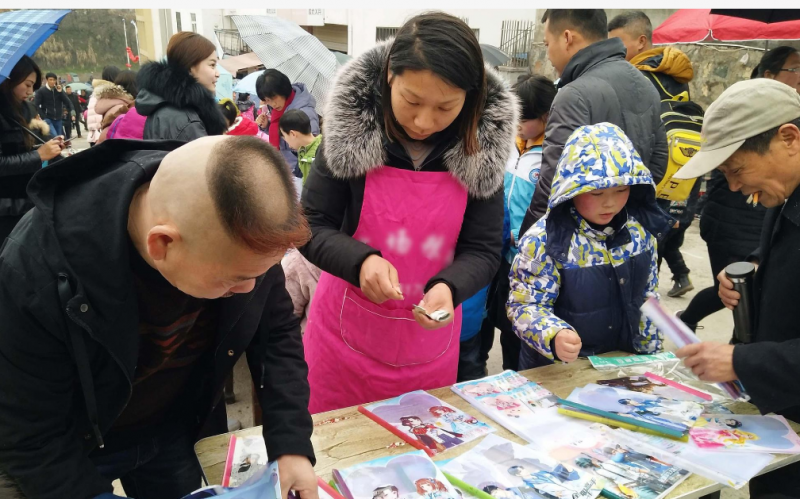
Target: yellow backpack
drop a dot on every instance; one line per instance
(683, 121)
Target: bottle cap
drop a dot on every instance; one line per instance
(740, 270)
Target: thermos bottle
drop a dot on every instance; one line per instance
(741, 274)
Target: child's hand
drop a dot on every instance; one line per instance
(567, 345)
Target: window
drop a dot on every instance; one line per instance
(194, 22)
(382, 34)
(178, 21)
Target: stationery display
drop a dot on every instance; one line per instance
(735, 432)
(506, 470)
(408, 476)
(246, 456)
(611, 363)
(629, 474)
(681, 335)
(425, 422)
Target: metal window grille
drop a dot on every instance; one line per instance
(194, 21)
(178, 21)
(382, 34)
(516, 38)
(231, 42)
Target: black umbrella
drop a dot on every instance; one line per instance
(762, 15)
(493, 56)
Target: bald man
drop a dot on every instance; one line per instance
(145, 270)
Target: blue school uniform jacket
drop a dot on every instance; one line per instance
(521, 177)
(569, 275)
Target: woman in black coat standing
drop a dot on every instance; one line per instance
(177, 96)
(18, 158)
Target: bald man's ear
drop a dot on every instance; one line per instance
(158, 240)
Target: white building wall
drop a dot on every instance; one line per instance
(365, 21)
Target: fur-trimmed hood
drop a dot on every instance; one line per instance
(9, 488)
(354, 129)
(113, 92)
(161, 84)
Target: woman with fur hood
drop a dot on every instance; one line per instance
(177, 96)
(93, 119)
(405, 203)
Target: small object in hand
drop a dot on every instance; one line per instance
(437, 316)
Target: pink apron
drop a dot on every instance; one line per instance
(360, 352)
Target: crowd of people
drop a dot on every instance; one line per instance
(377, 255)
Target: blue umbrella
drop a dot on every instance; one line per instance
(247, 85)
(22, 32)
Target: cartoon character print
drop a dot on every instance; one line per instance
(431, 436)
(430, 488)
(459, 423)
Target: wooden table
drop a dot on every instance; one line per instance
(345, 437)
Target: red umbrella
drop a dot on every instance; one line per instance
(698, 25)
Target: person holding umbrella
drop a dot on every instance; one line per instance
(18, 158)
(405, 204)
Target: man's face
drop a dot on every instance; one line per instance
(633, 44)
(69, 90)
(214, 266)
(51, 82)
(772, 175)
(557, 48)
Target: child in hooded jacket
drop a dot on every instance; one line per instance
(585, 269)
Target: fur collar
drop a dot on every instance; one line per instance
(113, 92)
(163, 84)
(9, 488)
(354, 134)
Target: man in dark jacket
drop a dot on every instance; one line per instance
(127, 294)
(597, 85)
(51, 101)
(77, 113)
(670, 71)
(752, 133)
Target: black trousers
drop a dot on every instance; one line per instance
(470, 364)
(670, 250)
(497, 318)
(67, 127)
(707, 301)
(783, 483)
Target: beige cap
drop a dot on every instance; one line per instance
(744, 110)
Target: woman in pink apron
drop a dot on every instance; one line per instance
(405, 203)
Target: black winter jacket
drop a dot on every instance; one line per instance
(599, 85)
(729, 220)
(355, 142)
(176, 105)
(51, 103)
(17, 166)
(17, 162)
(769, 368)
(68, 308)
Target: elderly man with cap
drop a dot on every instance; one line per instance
(752, 134)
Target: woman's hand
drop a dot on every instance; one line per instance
(379, 280)
(51, 148)
(439, 297)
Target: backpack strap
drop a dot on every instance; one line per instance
(81, 358)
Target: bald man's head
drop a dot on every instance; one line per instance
(219, 212)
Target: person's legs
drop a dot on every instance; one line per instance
(707, 301)
(68, 129)
(171, 472)
(58, 125)
(52, 127)
(680, 272)
(470, 366)
(78, 118)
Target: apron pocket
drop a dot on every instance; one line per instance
(391, 337)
